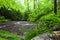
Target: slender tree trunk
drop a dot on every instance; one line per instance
(28, 4)
(55, 6)
(34, 4)
(37, 2)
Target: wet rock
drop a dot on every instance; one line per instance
(55, 35)
(41, 37)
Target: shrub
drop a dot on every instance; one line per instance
(50, 19)
(11, 14)
(2, 19)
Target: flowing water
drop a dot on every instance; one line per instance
(17, 26)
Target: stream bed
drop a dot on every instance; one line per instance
(18, 27)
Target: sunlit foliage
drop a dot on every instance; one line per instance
(44, 7)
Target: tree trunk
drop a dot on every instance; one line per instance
(55, 6)
(28, 4)
(34, 4)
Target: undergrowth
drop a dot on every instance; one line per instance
(2, 19)
(5, 35)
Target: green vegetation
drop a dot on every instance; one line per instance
(50, 19)
(44, 8)
(3, 39)
(37, 11)
(2, 19)
(44, 24)
(17, 11)
(5, 35)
